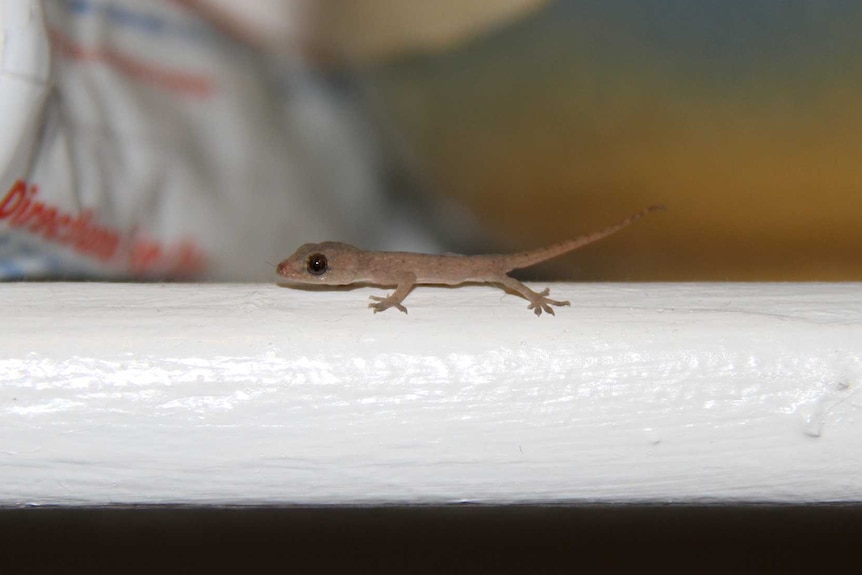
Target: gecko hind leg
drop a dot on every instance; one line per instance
(539, 301)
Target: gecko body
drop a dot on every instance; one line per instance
(336, 264)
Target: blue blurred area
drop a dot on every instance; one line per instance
(719, 39)
(719, 28)
(777, 48)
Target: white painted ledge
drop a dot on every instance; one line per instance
(129, 393)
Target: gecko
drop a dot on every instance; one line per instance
(339, 264)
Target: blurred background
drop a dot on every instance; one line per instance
(550, 119)
(213, 137)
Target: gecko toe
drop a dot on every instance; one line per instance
(541, 303)
(383, 303)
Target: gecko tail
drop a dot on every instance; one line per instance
(532, 257)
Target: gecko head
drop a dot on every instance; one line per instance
(327, 263)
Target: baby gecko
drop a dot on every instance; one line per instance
(336, 264)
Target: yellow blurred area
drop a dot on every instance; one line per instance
(749, 196)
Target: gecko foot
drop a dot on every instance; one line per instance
(541, 302)
(384, 303)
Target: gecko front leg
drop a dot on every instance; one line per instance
(406, 281)
(539, 302)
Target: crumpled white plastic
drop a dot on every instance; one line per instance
(137, 141)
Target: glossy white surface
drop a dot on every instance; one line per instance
(253, 393)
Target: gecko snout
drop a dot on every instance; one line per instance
(281, 268)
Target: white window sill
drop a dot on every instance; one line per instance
(254, 393)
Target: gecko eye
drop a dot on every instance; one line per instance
(317, 264)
